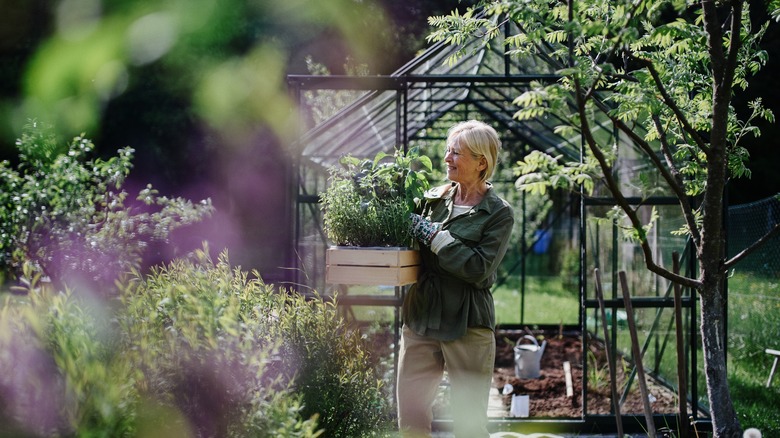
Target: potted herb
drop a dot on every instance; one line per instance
(366, 216)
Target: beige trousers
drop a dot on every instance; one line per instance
(469, 361)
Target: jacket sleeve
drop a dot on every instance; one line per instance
(477, 250)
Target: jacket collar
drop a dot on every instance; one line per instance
(447, 191)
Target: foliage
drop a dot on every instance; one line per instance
(138, 53)
(68, 215)
(368, 201)
(61, 367)
(538, 172)
(195, 348)
(660, 86)
(206, 337)
(337, 377)
(598, 373)
(649, 74)
(304, 347)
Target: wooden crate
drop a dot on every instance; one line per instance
(371, 266)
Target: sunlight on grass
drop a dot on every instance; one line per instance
(547, 301)
(754, 325)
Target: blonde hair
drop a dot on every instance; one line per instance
(480, 139)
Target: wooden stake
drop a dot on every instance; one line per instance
(637, 353)
(610, 357)
(682, 381)
(567, 373)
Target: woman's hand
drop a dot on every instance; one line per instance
(422, 229)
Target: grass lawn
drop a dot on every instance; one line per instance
(756, 405)
(547, 301)
(754, 325)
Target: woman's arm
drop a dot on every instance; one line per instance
(476, 250)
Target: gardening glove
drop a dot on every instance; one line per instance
(422, 229)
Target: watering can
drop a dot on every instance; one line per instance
(528, 357)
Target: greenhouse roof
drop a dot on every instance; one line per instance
(392, 110)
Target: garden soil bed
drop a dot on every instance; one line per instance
(547, 394)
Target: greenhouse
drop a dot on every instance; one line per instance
(560, 239)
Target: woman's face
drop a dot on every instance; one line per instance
(462, 166)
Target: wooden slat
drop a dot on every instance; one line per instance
(369, 300)
(372, 266)
(347, 256)
(371, 275)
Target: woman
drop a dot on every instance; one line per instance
(448, 314)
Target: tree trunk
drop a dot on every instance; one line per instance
(712, 250)
(713, 334)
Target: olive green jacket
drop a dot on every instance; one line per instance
(453, 289)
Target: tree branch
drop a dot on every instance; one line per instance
(735, 43)
(747, 251)
(679, 191)
(714, 37)
(622, 202)
(700, 142)
(672, 179)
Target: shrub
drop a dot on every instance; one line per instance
(62, 372)
(305, 347)
(217, 327)
(337, 377)
(207, 337)
(67, 214)
(194, 348)
(368, 201)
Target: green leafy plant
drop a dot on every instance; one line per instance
(68, 215)
(194, 348)
(337, 377)
(61, 367)
(210, 319)
(207, 339)
(368, 201)
(598, 374)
